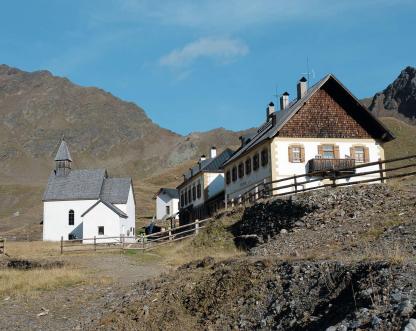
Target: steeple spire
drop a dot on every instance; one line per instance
(63, 159)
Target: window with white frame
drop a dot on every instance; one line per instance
(359, 154)
(328, 152)
(296, 154)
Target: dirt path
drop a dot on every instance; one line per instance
(66, 307)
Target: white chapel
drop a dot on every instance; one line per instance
(87, 203)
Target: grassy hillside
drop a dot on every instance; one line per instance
(405, 142)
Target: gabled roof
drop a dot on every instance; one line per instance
(63, 152)
(271, 128)
(118, 211)
(171, 192)
(116, 190)
(209, 165)
(87, 185)
(77, 185)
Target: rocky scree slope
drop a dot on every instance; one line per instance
(326, 271)
(339, 223)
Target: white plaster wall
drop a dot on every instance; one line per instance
(55, 218)
(215, 184)
(242, 185)
(162, 201)
(284, 168)
(101, 215)
(129, 223)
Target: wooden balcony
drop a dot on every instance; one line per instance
(326, 167)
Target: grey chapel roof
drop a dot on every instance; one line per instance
(77, 185)
(271, 128)
(116, 190)
(87, 185)
(63, 152)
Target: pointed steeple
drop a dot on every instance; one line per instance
(63, 152)
(63, 160)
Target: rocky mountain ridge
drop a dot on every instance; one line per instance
(398, 99)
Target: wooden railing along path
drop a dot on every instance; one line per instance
(285, 186)
(295, 184)
(143, 242)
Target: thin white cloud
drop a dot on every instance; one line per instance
(222, 50)
(232, 15)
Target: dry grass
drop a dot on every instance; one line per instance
(32, 249)
(30, 282)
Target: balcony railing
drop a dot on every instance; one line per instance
(331, 166)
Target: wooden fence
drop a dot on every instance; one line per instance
(2, 246)
(398, 168)
(144, 242)
(296, 183)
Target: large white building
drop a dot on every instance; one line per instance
(325, 129)
(202, 191)
(83, 204)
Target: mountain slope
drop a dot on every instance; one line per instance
(37, 108)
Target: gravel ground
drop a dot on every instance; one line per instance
(67, 307)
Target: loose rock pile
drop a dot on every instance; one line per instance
(309, 269)
(343, 217)
(264, 294)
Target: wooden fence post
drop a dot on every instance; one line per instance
(2, 245)
(256, 192)
(62, 244)
(143, 245)
(122, 242)
(196, 226)
(295, 183)
(95, 244)
(380, 166)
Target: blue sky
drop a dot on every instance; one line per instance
(198, 65)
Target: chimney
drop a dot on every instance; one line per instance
(269, 111)
(191, 171)
(213, 152)
(302, 87)
(202, 158)
(284, 101)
